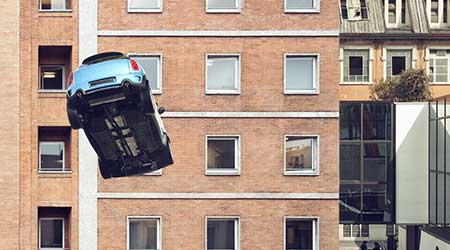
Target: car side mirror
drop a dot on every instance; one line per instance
(161, 110)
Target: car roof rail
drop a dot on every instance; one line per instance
(102, 57)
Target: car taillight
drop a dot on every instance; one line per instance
(70, 80)
(134, 65)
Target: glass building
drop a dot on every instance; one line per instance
(366, 163)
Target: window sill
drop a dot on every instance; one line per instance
(55, 174)
(213, 92)
(234, 172)
(301, 173)
(302, 11)
(156, 11)
(56, 13)
(223, 11)
(355, 83)
(439, 83)
(301, 92)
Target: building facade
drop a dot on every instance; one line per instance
(379, 39)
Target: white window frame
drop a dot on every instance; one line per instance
(440, 22)
(398, 14)
(342, 61)
(315, 154)
(237, 9)
(384, 56)
(143, 218)
(237, 155)
(352, 236)
(237, 229)
(63, 67)
(316, 74)
(63, 233)
(238, 76)
(158, 91)
(315, 9)
(315, 233)
(54, 10)
(63, 170)
(428, 58)
(148, 10)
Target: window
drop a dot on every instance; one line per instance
(144, 6)
(398, 60)
(356, 231)
(354, 10)
(222, 233)
(52, 77)
(144, 233)
(51, 156)
(301, 155)
(366, 163)
(51, 233)
(395, 12)
(356, 66)
(438, 69)
(222, 155)
(301, 74)
(223, 5)
(223, 74)
(301, 5)
(300, 233)
(54, 5)
(153, 70)
(437, 11)
(391, 230)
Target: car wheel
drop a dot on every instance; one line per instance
(164, 157)
(105, 168)
(73, 116)
(146, 100)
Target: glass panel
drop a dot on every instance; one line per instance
(435, 11)
(441, 199)
(365, 230)
(433, 144)
(221, 234)
(392, 16)
(300, 73)
(52, 77)
(52, 156)
(221, 153)
(347, 230)
(349, 202)
(433, 196)
(398, 61)
(51, 233)
(54, 4)
(222, 4)
(143, 234)
(299, 4)
(377, 121)
(441, 69)
(144, 4)
(350, 162)
(356, 232)
(299, 234)
(440, 143)
(299, 153)
(398, 65)
(151, 66)
(376, 162)
(222, 73)
(350, 121)
(375, 205)
(356, 65)
(431, 70)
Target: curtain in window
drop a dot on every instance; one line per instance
(221, 234)
(300, 73)
(143, 234)
(222, 73)
(51, 233)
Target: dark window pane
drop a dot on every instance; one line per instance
(299, 153)
(433, 195)
(350, 202)
(221, 153)
(51, 233)
(375, 205)
(52, 78)
(350, 162)
(356, 65)
(365, 230)
(52, 156)
(376, 162)
(221, 234)
(398, 65)
(299, 234)
(55, 4)
(377, 121)
(350, 121)
(143, 234)
(441, 199)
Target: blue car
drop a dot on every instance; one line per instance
(109, 96)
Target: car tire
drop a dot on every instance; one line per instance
(164, 157)
(73, 116)
(146, 100)
(105, 168)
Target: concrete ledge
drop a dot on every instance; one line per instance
(251, 115)
(221, 33)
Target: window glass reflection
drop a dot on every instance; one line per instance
(377, 121)
(350, 202)
(350, 162)
(350, 121)
(376, 162)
